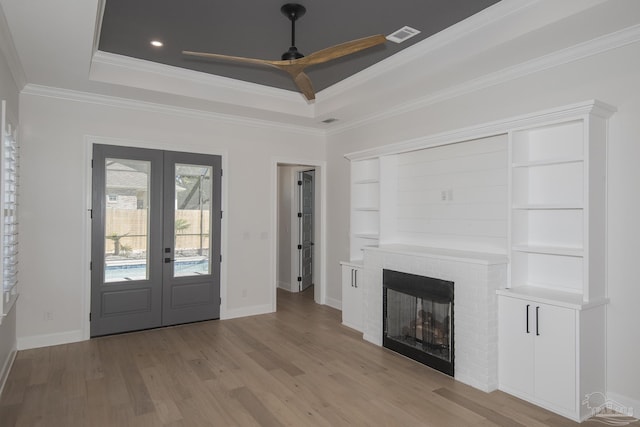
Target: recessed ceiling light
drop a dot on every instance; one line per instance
(402, 34)
(156, 43)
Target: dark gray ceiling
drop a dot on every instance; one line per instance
(256, 28)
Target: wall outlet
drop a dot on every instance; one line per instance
(443, 195)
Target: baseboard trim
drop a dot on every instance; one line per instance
(247, 311)
(37, 341)
(632, 404)
(334, 303)
(4, 374)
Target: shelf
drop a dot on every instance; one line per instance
(551, 296)
(372, 236)
(549, 250)
(366, 209)
(367, 181)
(547, 206)
(548, 162)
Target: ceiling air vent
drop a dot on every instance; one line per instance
(329, 120)
(402, 34)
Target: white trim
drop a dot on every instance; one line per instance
(254, 310)
(320, 167)
(132, 104)
(46, 340)
(334, 303)
(629, 402)
(6, 368)
(564, 56)
(487, 129)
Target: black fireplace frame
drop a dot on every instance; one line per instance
(420, 287)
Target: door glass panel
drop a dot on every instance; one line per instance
(126, 220)
(192, 241)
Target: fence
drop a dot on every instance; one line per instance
(128, 230)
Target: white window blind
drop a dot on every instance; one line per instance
(9, 200)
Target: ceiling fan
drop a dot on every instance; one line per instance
(293, 62)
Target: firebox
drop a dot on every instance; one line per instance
(418, 318)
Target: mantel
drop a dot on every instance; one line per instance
(440, 253)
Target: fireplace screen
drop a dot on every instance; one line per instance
(418, 318)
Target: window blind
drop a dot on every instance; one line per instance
(9, 200)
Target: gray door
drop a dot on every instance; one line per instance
(155, 236)
(306, 229)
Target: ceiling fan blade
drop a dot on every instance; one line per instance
(304, 84)
(233, 58)
(341, 50)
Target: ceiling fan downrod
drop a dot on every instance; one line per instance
(292, 11)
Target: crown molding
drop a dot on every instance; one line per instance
(131, 104)
(9, 51)
(554, 115)
(405, 57)
(583, 50)
(122, 70)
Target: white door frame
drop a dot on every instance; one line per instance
(320, 252)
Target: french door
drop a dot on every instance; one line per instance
(155, 236)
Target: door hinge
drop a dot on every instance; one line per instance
(221, 172)
(299, 182)
(299, 279)
(221, 214)
(91, 163)
(89, 317)
(90, 265)
(299, 214)
(299, 247)
(90, 213)
(220, 257)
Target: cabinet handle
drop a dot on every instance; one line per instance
(352, 271)
(537, 325)
(355, 278)
(527, 314)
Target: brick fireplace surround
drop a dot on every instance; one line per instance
(476, 278)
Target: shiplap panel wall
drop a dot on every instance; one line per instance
(473, 177)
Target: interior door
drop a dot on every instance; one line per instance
(306, 229)
(155, 238)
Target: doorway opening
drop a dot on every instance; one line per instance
(298, 230)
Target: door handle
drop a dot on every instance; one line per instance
(527, 313)
(537, 316)
(168, 260)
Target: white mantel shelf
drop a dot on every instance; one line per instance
(439, 253)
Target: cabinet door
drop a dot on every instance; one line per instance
(515, 346)
(352, 297)
(555, 356)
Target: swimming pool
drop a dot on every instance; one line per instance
(136, 271)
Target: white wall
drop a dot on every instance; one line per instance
(9, 93)
(54, 275)
(611, 77)
(453, 196)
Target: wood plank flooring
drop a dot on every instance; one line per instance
(296, 367)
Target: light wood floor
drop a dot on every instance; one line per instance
(296, 367)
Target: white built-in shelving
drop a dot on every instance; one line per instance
(365, 206)
(552, 315)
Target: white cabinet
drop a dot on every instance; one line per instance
(551, 317)
(365, 206)
(539, 363)
(352, 296)
(551, 355)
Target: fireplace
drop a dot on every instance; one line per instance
(418, 318)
